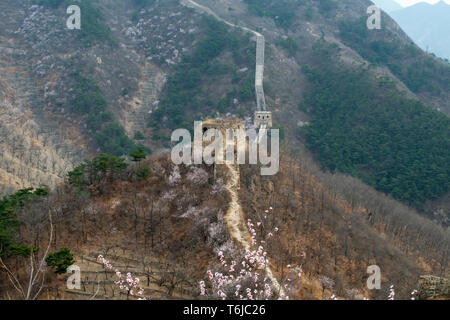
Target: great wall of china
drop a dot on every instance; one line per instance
(263, 118)
(235, 217)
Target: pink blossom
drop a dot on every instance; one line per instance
(202, 288)
(126, 284)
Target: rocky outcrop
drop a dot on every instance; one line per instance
(434, 288)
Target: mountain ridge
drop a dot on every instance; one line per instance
(351, 104)
(388, 5)
(426, 24)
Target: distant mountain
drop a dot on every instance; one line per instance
(428, 25)
(388, 5)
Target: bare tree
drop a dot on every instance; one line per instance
(36, 275)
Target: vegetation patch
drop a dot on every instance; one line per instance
(93, 28)
(88, 100)
(281, 11)
(9, 224)
(142, 3)
(366, 128)
(419, 72)
(183, 91)
(60, 260)
(289, 45)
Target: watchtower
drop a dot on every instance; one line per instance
(230, 129)
(263, 118)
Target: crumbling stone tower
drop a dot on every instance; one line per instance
(263, 118)
(225, 126)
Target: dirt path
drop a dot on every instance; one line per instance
(235, 217)
(235, 220)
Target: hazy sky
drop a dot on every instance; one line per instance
(406, 3)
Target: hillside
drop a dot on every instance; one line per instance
(133, 74)
(365, 139)
(328, 226)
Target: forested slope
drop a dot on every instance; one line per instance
(367, 128)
